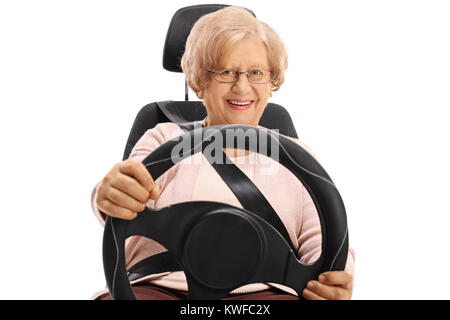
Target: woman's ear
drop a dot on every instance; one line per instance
(200, 94)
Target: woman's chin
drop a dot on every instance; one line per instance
(243, 121)
(236, 118)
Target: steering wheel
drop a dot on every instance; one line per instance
(222, 247)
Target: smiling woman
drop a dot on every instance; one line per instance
(223, 46)
(240, 101)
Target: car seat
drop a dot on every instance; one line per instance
(186, 114)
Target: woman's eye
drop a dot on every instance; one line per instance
(256, 72)
(227, 72)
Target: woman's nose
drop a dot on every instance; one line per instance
(242, 85)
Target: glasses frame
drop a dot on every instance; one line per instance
(239, 75)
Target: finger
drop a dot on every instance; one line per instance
(328, 292)
(337, 278)
(123, 200)
(154, 194)
(138, 171)
(131, 187)
(113, 210)
(309, 295)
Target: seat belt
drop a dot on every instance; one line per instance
(243, 188)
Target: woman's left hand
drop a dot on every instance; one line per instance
(332, 285)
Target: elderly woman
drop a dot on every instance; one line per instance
(233, 62)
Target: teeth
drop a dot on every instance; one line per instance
(239, 103)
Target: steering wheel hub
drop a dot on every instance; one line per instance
(234, 241)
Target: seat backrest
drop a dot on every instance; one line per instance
(274, 117)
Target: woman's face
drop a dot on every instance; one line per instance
(218, 96)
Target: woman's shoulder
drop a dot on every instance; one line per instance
(162, 132)
(155, 137)
(168, 130)
(303, 145)
(297, 141)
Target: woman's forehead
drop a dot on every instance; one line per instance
(245, 53)
(241, 67)
(244, 66)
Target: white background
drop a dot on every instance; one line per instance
(367, 88)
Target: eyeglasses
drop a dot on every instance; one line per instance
(256, 76)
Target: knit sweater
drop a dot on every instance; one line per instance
(195, 179)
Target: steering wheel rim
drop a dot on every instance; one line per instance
(323, 192)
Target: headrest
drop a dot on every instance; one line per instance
(182, 22)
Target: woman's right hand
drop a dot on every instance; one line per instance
(125, 190)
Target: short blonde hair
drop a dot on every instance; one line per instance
(216, 32)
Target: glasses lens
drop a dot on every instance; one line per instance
(226, 75)
(259, 76)
(254, 75)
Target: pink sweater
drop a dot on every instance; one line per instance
(195, 179)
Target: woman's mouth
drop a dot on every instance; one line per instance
(240, 104)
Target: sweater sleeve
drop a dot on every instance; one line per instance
(150, 141)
